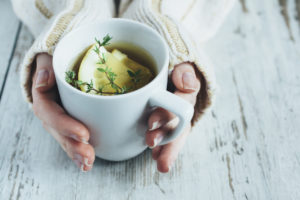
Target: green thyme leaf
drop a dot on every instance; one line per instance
(70, 76)
(98, 42)
(80, 82)
(130, 73)
(125, 89)
(101, 89)
(103, 58)
(91, 84)
(114, 86)
(96, 50)
(138, 72)
(106, 40)
(101, 69)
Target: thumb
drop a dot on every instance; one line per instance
(44, 78)
(185, 79)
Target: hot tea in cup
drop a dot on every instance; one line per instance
(108, 68)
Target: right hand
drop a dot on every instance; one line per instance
(71, 134)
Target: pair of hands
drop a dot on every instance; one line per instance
(73, 136)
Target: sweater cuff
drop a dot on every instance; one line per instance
(75, 14)
(181, 49)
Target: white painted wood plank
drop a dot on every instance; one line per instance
(9, 26)
(258, 71)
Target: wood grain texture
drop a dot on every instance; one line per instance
(10, 27)
(246, 147)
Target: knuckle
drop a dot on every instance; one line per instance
(153, 116)
(80, 130)
(87, 151)
(158, 112)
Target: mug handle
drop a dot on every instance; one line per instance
(178, 106)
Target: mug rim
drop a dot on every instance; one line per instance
(135, 92)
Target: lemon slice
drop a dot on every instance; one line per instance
(87, 67)
(116, 62)
(134, 66)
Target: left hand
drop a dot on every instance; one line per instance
(187, 86)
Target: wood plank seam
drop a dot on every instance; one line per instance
(10, 58)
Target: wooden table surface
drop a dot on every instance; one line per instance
(246, 147)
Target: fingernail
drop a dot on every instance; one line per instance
(169, 168)
(155, 125)
(80, 162)
(75, 137)
(86, 160)
(156, 141)
(84, 141)
(42, 78)
(189, 80)
(82, 168)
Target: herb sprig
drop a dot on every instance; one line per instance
(71, 79)
(98, 45)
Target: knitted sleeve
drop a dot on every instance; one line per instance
(49, 21)
(158, 15)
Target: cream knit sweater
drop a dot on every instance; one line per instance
(183, 23)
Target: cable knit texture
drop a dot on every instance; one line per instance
(176, 20)
(51, 25)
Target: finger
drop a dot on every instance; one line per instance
(54, 116)
(82, 154)
(44, 78)
(155, 137)
(169, 152)
(156, 152)
(185, 79)
(159, 118)
(162, 121)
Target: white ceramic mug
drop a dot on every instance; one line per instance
(118, 124)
